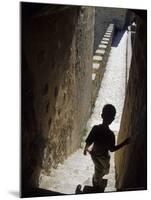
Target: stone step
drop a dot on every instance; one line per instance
(96, 66)
(93, 76)
(108, 31)
(110, 28)
(104, 42)
(97, 58)
(105, 39)
(100, 52)
(102, 46)
(107, 36)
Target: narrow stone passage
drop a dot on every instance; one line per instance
(78, 169)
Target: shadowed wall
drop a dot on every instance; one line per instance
(131, 163)
(57, 48)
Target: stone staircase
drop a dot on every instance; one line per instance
(100, 59)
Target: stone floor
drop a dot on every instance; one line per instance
(78, 169)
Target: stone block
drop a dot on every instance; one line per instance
(93, 76)
(96, 66)
(102, 46)
(100, 52)
(104, 42)
(105, 39)
(107, 36)
(97, 58)
(109, 31)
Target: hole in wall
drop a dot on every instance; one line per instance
(47, 107)
(45, 89)
(49, 122)
(56, 92)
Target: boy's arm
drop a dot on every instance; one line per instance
(119, 146)
(86, 149)
(89, 141)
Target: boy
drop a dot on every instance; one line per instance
(103, 140)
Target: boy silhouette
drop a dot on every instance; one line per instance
(103, 140)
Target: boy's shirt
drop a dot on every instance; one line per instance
(103, 140)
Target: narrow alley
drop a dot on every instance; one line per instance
(78, 169)
(66, 79)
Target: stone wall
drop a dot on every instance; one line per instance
(57, 48)
(131, 166)
(83, 69)
(105, 16)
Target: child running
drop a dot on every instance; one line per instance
(103, 141)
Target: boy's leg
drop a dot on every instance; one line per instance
(98, 175)
(101, 168)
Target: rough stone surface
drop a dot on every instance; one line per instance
(56, 87)
(131, 166)
(83, 71)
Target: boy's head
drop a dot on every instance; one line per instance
(108, 113)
